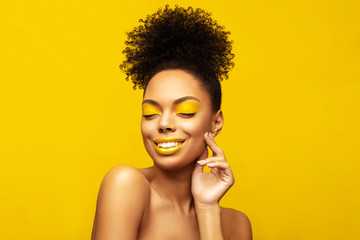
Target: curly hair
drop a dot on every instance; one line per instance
(179, 38)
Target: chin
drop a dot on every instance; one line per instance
(170, 162)
(175, 161)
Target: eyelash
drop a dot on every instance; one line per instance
(187, 114)
(182, 114)
(148, 116)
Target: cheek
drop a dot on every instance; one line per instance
(146, 129)
(194, 129)
(146, 132)
(198, 126)
(142, 129)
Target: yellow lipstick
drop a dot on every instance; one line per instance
(168, 146)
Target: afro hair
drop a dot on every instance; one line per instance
(179, 38)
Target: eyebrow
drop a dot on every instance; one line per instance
(177, 101)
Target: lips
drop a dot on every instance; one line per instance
(168, 146)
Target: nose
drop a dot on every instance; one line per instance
(166, 123)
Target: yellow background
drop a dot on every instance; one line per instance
(291, 106)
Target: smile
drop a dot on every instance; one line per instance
(168, 146)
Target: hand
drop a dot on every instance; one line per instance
(208, 188)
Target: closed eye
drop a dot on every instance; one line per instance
(150, 115)
(186, 114)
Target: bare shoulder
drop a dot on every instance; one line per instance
(124, 174)
(122, 199)
(235, 224)
(126, 181)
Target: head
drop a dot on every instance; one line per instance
(177, 112)
(183, 48)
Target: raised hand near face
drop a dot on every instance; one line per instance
(208, 188)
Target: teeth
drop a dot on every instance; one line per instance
(169, 144)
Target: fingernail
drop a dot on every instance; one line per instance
(201, 161)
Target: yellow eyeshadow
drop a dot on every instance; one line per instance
(149, 109)
(187, 107)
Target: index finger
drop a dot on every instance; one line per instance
(212, 144)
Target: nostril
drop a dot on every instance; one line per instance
(161, 130)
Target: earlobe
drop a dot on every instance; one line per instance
(218, 122)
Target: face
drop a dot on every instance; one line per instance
(176, 114)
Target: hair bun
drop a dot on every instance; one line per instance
(177, 38)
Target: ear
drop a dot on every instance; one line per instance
(217, 123)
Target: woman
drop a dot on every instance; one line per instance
(178, 56)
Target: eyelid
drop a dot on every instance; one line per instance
(187, 107)
(150, 109)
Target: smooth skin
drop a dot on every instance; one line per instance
(174, 199)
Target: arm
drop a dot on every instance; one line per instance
(122, 198)
(235, 223)
(208, 189)
(209, 221)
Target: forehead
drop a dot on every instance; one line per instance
(169, 85)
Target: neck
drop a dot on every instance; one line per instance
(174, 185)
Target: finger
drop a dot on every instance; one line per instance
(198, 169)
(210, 160)
(221, 165)
(212, 144)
